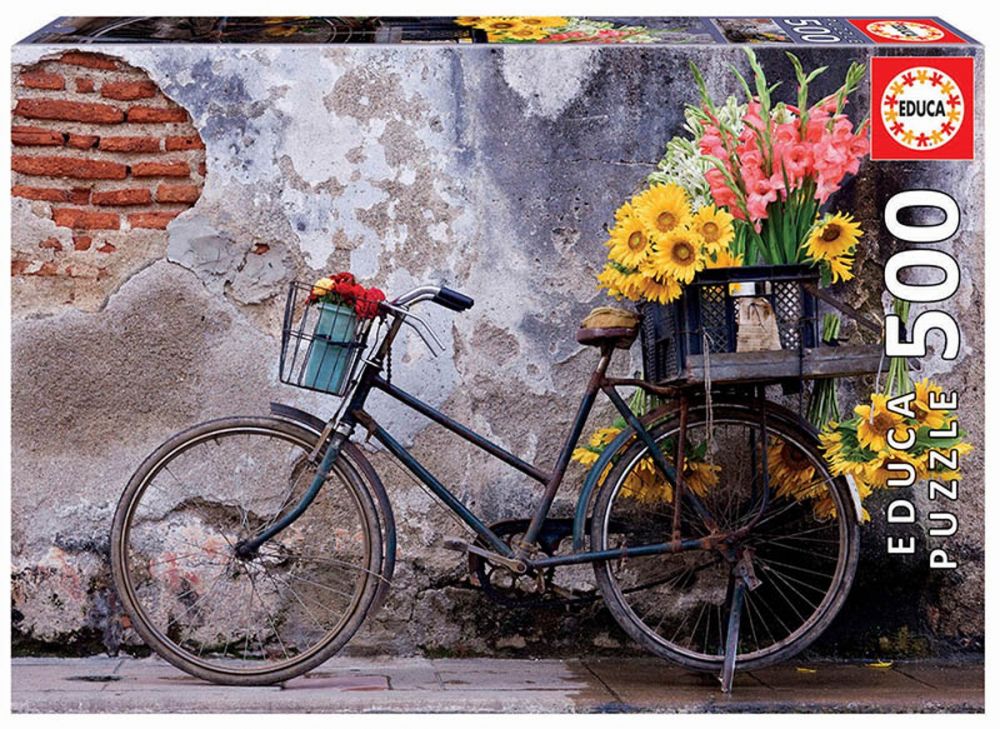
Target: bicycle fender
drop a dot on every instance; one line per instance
(593, 481)
(317, 425)
(299, 416)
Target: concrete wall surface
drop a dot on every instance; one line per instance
(492, 170)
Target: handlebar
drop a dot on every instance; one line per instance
(400, 307)
(451, 299)
(448, 298)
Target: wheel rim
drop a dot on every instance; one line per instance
(228, 615)
(798, 547)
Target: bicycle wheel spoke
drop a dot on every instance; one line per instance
(240, 615)
(794, 534)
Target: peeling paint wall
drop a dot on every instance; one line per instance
(491, 170)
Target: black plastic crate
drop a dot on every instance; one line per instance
(671, 332)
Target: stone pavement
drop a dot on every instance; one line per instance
(344, 684)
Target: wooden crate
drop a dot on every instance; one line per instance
(781, 364)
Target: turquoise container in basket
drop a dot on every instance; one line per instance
(331, 348)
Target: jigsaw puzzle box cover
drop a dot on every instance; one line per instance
(777, 222)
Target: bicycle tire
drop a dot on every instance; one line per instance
(797, 640)
(353, 473)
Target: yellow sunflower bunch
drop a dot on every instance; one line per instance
(644, 482)
(514, 28)
(793, 475)
(860, 446)
(833, 242)
(658, 244)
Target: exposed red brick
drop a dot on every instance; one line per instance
(84, 85)
(82, 169)
(81, 242)
(260, 249)
(52, 243)
(128, 90)
(156, 114)
(43, 80)
(175, 144)
(89, 60)
(35, 137)
(130, 144)
(161, 169)
(177, 193)
(157, 220)
(48, 268)
(82, 141)
(79, 195)
(130, 196)
(86, 219)
(106, 248)
(50, 194)
(69, 111)
(202, 169)
(18, 267)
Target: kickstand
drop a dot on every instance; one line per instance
(742, 578)
(732, 635)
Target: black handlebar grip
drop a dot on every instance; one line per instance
(450, 299)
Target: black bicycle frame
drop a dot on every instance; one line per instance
(355, 414)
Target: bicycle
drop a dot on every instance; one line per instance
(249, 550)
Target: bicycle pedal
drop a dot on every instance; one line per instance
(455, 545)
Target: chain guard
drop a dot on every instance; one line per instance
(532, 589)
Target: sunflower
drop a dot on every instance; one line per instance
(840, 268)
(678, 255)
(630, 244)
(586, 456)
(603, 436)
(832, 237)
(714, 227)
(724, 259)
(499, 25)
(645, 484)
(700, 476)
(876, 423)
(621, 283)
(892, 466)
(923, 413)
(662, 290)
(837, 454)
(526, 33)
(612, 280)
(473, 20)
(791, 471)
(663, 209)
(625, 212)
(549, 21)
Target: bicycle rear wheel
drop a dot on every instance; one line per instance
(254, 620)
(803, 547)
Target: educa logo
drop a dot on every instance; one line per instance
(922, 108)
(905, 31)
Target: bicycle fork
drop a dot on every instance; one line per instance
(339, 435)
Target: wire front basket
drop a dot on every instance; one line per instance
(321, 342)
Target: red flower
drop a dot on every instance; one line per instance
(342, 289)
(366, 305)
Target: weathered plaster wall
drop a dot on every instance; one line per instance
(492, 170)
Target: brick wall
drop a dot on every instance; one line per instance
(104, 155)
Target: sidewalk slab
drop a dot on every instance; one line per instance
(484, 685)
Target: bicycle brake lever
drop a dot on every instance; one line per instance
(420, 333)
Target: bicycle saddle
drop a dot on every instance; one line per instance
(607, 325)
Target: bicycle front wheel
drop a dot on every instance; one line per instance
(245, 620)
(802, 542)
